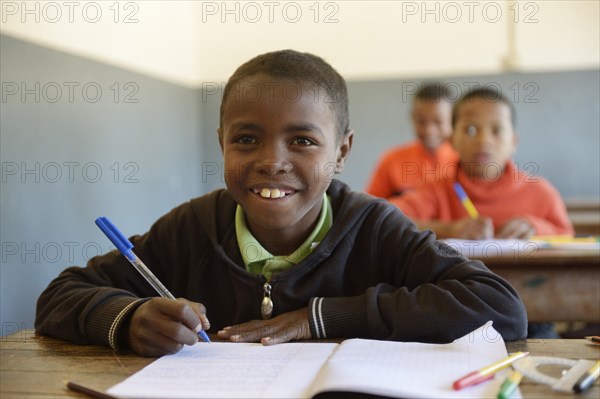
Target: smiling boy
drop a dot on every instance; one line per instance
(286, 154)
(285, 252)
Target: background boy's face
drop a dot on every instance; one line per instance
(281, 150)
(484, 137)
(432, 122)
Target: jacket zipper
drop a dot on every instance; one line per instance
(266, 307)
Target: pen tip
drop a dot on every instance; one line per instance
(203, 336)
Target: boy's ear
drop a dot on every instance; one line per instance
(343, 150)
(515, 141)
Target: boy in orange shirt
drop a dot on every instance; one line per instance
(403, 168)
(510, 203)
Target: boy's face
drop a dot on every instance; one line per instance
(484, 137)
(432, 122)
(281, 150)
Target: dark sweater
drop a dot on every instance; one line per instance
(378, 277)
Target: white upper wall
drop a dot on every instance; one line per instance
(157, 38)
(194, 42)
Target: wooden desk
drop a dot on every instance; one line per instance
(585, 223)
(555, 285)
(584, 213)
(38, 367)
(582, 204)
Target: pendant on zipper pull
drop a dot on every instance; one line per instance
(266, 308)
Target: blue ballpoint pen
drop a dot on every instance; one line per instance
(125, 247)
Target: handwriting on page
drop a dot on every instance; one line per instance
(253, 368)
(228, 370)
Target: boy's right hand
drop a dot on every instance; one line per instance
(468, 228)
(161, 326)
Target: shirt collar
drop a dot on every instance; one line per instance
(252, 251)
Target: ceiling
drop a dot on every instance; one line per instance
(193, 43)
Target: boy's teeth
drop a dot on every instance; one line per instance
(271, 193)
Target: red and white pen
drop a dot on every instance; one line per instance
(486, 373)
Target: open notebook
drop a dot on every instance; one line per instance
(308, 370)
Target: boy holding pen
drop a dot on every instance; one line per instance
(487, 195)
(285, 252)
(403, 168)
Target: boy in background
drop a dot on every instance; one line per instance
(403, 168)
(285, 252)
(510, 202)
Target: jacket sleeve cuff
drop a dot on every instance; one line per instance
(338, 317)
(108, 320)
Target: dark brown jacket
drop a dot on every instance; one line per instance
(379, 278)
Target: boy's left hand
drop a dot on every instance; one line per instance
(283, 328)
(516, 228)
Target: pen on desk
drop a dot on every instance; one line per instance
(466, 202)
(559, 239)
(487, 372)
(125, 247)
(587, 380)
(510, 385)
(594, 339)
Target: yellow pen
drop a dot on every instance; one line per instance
(565, 239)
(486, 373)
(462, 196)
(587, 380)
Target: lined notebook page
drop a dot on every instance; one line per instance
(228, 370)
(414, 370)
(301, 370)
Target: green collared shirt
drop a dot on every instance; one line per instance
(260, 261)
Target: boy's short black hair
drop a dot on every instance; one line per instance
(433, 91)
(309, 71)
(487, 94)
